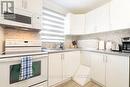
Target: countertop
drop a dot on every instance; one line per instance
(60, 51)
(46, 52)
(107, 52)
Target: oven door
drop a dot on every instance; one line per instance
(11, 71)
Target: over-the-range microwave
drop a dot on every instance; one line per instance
(19, 18)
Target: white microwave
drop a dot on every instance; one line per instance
(20, 18)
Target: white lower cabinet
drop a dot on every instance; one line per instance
(117, 71)
(55, 68)
(86, 58)
(71, 63)
(62, 66)
(110, 70)
(98, 68)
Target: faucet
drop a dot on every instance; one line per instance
(61, 46)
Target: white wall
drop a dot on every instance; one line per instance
(55, 7)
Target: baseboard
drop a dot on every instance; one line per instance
(64, 81)
(97, 83)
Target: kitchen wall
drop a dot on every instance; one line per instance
(1, 34)
(16, 33)
(67, 43)
(114, 36)
(12, 33)
(1, 39)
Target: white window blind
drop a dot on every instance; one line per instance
(53, 26)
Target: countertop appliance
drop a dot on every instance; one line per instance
(13, 46)
(126, 44)
(101, 45)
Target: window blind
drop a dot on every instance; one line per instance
(52, 26)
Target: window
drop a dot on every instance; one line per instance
(53, 26)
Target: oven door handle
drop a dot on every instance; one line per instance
(18, 59)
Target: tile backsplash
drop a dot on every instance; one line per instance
(11, 33)
(114, 36)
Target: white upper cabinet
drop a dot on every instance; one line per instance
(90, 26)
(37, 21)
(103, 18)
(98, 20)
(35, 6)
(75, 24)
(120, 14)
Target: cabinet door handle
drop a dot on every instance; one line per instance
(106, 59)
(62, 56)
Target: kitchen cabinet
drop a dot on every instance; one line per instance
(86, 58)
(71, 63)
(75, 24)
(55, 68)
(41, 85)
(98, 68)
(98, 20)
(90, 25)
(117, 71)
(103, 18)
(35, 6)
(119, 14)
(36, 21)
(62, 66)
(110, 70)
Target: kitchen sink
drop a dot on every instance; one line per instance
(51, 50)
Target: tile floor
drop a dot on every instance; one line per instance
(73, 84)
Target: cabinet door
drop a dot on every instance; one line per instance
(75, 23)
(41, 85)
(117, 71)
(120, 14)
(98, 68)
(86, 58)
(35, 6)
(55, 68)
(37, 21)
(90, 22)
(103, 18)
(71, 63)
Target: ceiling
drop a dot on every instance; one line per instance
(79, 6)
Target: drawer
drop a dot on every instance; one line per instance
(41, 85)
